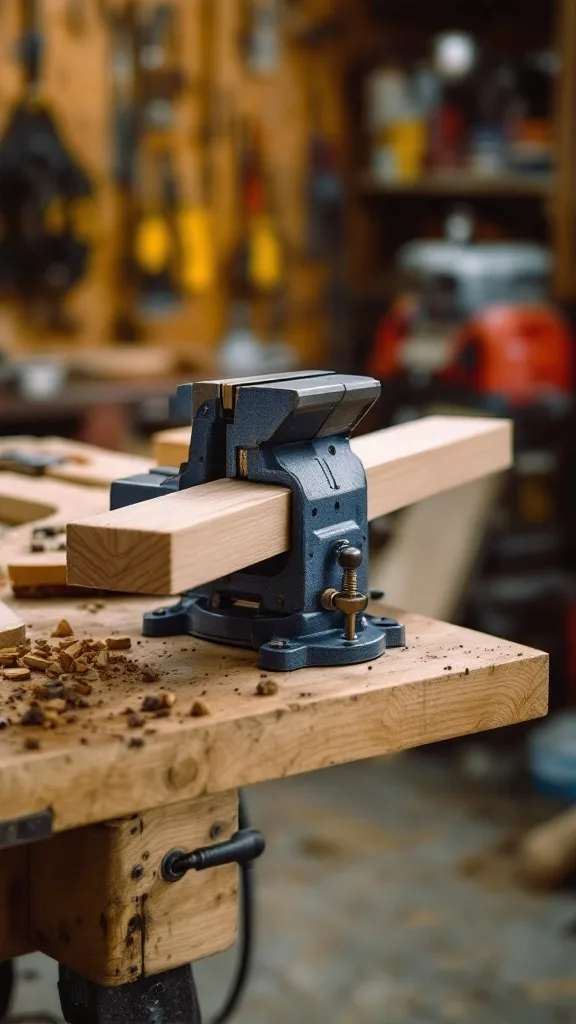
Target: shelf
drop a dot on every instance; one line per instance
(461, 184)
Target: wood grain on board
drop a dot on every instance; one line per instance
(172, 543)
(448, 682)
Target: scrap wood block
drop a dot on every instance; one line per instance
(29, 502)
(172, 543)
(78, 463)
(12, 629)
(170, 447)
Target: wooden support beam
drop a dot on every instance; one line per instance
(430, 577)
(170, 447)
(90, 910)
(178, 541)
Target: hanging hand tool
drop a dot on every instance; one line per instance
(126, 131)
(258, 265)
(197, 263)
(161, 80)
(324, 195)
(195, 227)
(155, 239)
(45, 195)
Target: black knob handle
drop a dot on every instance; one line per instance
(349, 557)
(243, 847)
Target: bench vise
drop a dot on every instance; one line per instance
(307, 606)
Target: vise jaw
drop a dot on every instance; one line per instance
(306, 606)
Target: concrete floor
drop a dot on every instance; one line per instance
(387, 895)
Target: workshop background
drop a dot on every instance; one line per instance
(194, 188)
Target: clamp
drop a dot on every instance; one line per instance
(306, 607)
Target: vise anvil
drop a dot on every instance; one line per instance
(305, 607)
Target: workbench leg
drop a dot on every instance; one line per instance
(169, 997)
(99, 904)
(6, 986)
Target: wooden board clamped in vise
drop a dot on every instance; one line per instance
(303, 599)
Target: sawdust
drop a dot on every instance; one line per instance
(50, 678)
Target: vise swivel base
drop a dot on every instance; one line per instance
(305, 607)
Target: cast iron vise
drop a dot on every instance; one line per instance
(306, 606)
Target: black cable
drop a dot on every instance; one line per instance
(247, 910)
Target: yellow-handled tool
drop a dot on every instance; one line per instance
(197, 255)
(265, 262)
(152, 243)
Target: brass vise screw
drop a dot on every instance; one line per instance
(349, 600)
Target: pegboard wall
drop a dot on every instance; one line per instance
(198, 99)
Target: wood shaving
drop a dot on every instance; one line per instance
(67, 662)
(33, 716)
(158, 701)
(75, 649)
(199, 709)
(63, 629)
(118, 643)
(58, 705)
(35, 662)
(19, 675)
(266, 688)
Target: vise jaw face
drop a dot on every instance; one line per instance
(231, 418)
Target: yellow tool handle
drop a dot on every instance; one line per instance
(198, 262)
(265, 259)
(152, 244)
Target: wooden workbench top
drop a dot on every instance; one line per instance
(449, 682)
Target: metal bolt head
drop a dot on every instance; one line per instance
(137, 872)
(277, 641)
(349, 557)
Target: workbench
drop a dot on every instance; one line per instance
(449, 682)
(113, 787)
